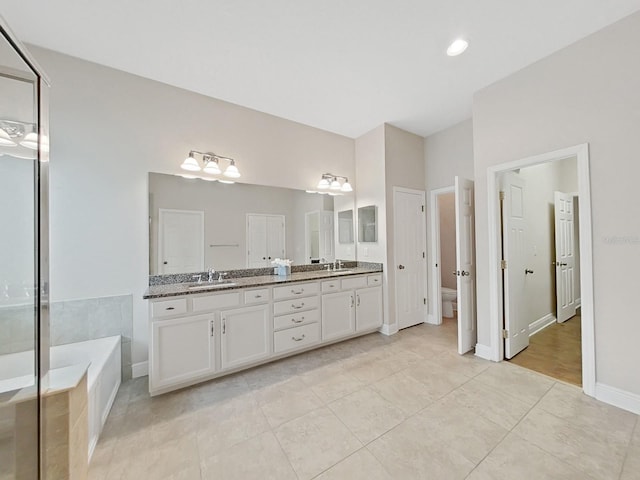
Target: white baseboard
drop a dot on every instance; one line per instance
(541, 323)
(387, 329)
(140, 369)
(578, 303)
(618, 398)
(483, 351)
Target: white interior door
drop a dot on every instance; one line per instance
(326, 236)
(465, 265)
(180, 241)
(565, 256)
(256, 241)
(410, 253)
(275, 237)
(514, 238)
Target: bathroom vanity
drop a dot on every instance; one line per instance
(203, 331)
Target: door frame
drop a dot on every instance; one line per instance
(436, 291)
(423, 241)
(581, 152)
(160, 245)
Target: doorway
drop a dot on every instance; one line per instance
(540, 270)
(499, 299)
(180, 241)
(453, 260)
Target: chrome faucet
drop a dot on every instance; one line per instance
(339, 265)
(210, 273)
(221, 276)
(198, 277)
(328, 267)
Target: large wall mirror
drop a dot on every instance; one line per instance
(196, 224)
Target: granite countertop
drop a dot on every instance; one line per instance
(175, 289)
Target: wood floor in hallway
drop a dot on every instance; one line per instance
(555, 351)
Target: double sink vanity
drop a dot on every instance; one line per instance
(200, 331)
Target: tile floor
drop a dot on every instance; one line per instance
(399, 407)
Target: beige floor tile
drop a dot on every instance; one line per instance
(516, 458)
(438, 381)
(291, 406)
(222, 427)
(371, 368)
(520, 383)
(367, 414)
(259, 458)
(631, 468)
(404, 392)
(468, 365)
(282, 389)
(585, 450)
(461, 429)
(409, 452)
(314, 375)
(362, 465)
(336, 386)
(316, 442)
(570, 403)
(489, 402)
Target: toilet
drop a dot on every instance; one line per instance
(449, 296)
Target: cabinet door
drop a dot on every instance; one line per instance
(338, 314)
(245, 336)
(368, 308)
(182, 349)
(275, 238)
(256, 241)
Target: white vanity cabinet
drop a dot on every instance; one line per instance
(198, 337)
(356, 307)
(245, 336)
(182, 349)
(338, 314)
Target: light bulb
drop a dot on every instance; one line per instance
(212, 168)
(323, 184)
(335, 185)
(346, 186)
(232, 171)
(190, 164)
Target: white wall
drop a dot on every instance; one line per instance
(449, 153)
(541, 181)
(109, 129)
(587, 92)
(447, 210)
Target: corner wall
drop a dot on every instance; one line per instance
(585, 93)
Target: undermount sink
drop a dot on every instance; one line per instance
(341, 272)
(207, 286)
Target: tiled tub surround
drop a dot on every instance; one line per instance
(72, 321)
(199, 335)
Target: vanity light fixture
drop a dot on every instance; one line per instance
(5, 139)
(211, 162)
(335, 183)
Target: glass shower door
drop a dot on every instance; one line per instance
(22, 280)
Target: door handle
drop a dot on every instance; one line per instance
(464, 273)
(454, 273)
(527, 271)
(358, 297)
(297, 307)
(400, 267)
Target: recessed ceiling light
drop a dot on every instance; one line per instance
(457, 47)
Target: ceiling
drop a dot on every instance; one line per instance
(342, 66)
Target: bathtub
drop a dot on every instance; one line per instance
(103, 375)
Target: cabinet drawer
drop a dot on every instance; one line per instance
(295, 305)
(331, 286)
(166, 308)
(216, 302)
(298, 337)
(355, 282)
(295, 290)
(295, 319)
(256, 296)
(373, 280)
